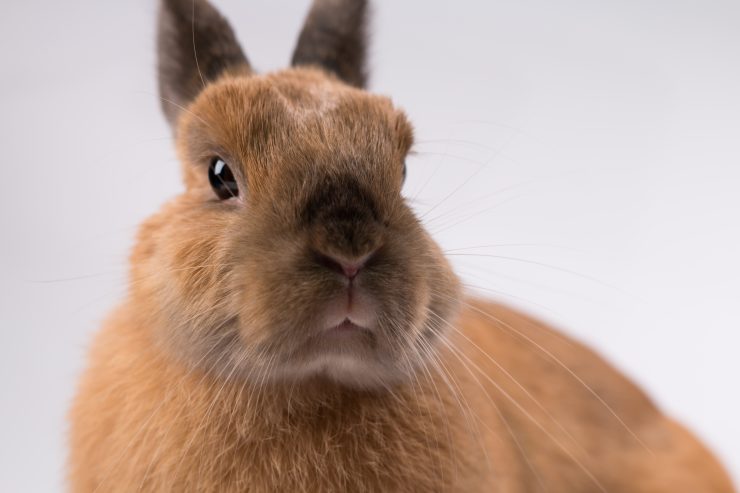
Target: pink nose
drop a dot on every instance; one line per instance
(348, 269)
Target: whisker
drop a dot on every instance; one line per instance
(496, 274)
(501, 415)
(459, 396)
(547, 266)
(195, 50)
(566, 368)
(533, 420)
(516, 382)
(513, 245)
(448, 225)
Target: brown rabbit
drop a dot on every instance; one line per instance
(290, 326)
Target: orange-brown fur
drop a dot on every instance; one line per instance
(143, 420)
(204, 379)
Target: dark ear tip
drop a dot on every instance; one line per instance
(334, 38)
(195, 45)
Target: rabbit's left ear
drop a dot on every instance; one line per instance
(334, 38)
(195, 45)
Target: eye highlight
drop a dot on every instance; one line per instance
(222, 179)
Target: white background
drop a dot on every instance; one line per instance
(596, 142)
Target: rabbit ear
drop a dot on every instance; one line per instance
(195, 45)
(333, 37)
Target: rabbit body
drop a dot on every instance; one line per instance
(290, 325)
(142, 420)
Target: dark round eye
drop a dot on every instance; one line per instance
(222, 180)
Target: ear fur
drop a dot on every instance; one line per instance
(195, 45)
(334, 38)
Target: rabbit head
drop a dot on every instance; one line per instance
(291, 255)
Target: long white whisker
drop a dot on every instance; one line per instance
(195, 50)
(567, 369)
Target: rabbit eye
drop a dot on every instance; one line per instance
(222, 180)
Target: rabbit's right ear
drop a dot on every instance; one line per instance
(195, 45)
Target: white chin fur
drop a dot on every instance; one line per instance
(345, 370)
(341, 368)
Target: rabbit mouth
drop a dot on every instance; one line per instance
(346, 338)
(351, 309)
(345, 347)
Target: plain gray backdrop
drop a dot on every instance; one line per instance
(578, 159)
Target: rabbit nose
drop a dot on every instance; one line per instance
(348, 268)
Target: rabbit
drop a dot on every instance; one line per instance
(290, 326)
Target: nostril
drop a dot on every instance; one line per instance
(348, 269)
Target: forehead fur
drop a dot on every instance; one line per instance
(297, 115)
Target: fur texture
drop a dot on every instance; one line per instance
(307, 334)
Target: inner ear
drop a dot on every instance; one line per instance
(334, 38)
(195, 45)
